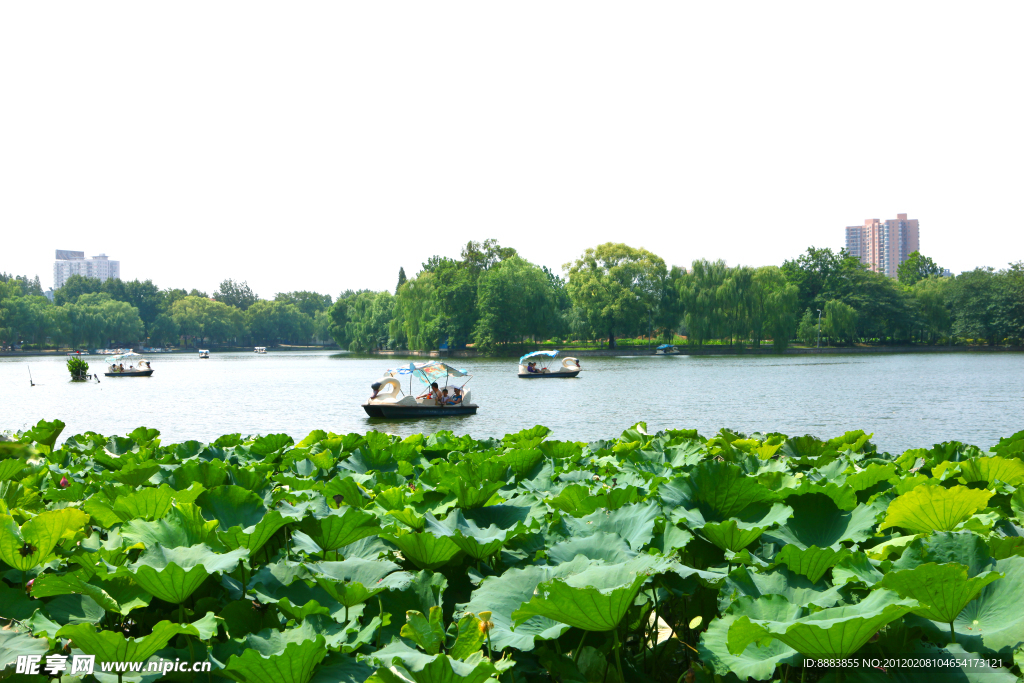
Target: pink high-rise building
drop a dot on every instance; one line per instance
(884, 245)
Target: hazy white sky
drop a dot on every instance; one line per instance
(321, 145)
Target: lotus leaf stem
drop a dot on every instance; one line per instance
(579, 649)
(952, 632)
(616, 646)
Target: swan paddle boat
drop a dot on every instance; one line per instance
(539, 366)
(128, 365)
(391, 399)
(666, 350)
(203, 353)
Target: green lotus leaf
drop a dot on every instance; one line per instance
(502, 595)
(812, 562)
(340, 527)
(855, 567)
(44, 433)
(934, 508)
(401, 664)
(992, 622)
(112, 646)
(74, 609)
(737, 534)
(147, 504)
(28, 546)
(355, 580)
(135, 474)
(424, 550)
(993, 469)
(426, 631)
(470, 638)
(255, 537)
(209, 474)
(779, 581)
(410, 518)
(16, 604)
(633, 523)
(961, 547)
(833, 633)
(232, 506)
(14, 644)
(606, 547)
(276, 657)
(942, 589)
(719, 490)
(120, 594)
(183, 526)
(338, 668)
(756, 661)
(173, 574)
(285, 584)
(595, 599)
(476, 541)
(426, 590)
(818, 521)
(576, 500)
(10, 467)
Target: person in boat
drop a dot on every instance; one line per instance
(456, 398)
(120, 368)
(531, 367)
(433, 392)
(444, 400)
(376, 390)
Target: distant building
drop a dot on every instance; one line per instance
(884, 245)
(70, 263)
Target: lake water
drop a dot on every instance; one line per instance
(907, 401)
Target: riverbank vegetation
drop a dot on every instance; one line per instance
(492, 298)
(88, 313)
(496, 300)
(646, 557)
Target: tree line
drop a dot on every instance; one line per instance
(494, 299)
(86, 312)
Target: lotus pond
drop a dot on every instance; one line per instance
(647, 557)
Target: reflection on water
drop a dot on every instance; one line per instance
(908, 400)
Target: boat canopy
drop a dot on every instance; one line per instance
(667, 346)
(428, 372)
(549, 354)
(121, 357)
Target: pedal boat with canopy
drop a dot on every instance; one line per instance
(569, 367)
(393, 400)
(667, 350)
(137, 366)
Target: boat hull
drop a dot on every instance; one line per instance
(537, 375)
(397, 411)
(130, 373)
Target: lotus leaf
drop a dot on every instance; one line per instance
(355, 580)
(780, 581)
(632, 523)
(818, 521)
(756, 661)
(275, 657)
(183, 526)
(934, 508)
(111, 646)
(173, 574)
(426, 631)
(147, 504)
(602, 546)
(942, 589)
(425, 550)
(14, 644)
(341, 527)
(475, 541)
(812, 562)
(833, 633)
(401, 664)
(120, 595)
(30, 545)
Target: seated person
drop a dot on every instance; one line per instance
(531, 367)
(443, 400)
(456, 398)
(433, 392)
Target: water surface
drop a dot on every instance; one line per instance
(907, 401)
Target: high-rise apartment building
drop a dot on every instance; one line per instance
(884, 245)
(70, 263)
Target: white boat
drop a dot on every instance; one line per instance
(391, 399)
(128, 365)
(540, 366)
(203, 353)
(667, 350)
(260, 349)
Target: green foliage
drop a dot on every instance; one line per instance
(444, 558)
(78, 368)
(917, 267)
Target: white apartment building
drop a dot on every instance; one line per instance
(70, 263)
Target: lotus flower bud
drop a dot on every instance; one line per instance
(485, 622)
(28, 586)
(64, 482)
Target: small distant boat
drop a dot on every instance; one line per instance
(533, 369)
(666, 350)
(260, 349)
(137, 366)
(203, 353)
(390, 400)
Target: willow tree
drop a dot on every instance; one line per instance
(618, 287)
(840, 321)
(772, 306)
(702, 293)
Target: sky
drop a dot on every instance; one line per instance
(322, 145)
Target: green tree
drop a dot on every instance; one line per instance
(932, 298)
(401, 279)
(916, 267)
(415, 324)
(617, 286)
(237, 294)
(840, 323)
(74, 287)
(773, 307)
(163, 331)
(309, 303)
(700, 291)
(515, 301)
(976, 303)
